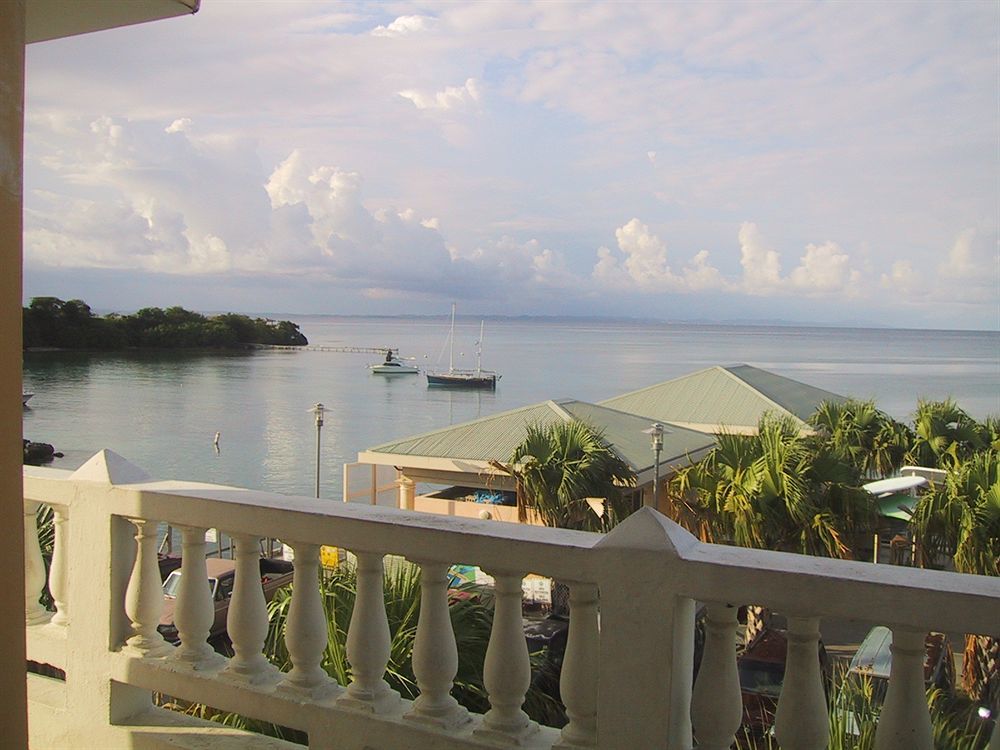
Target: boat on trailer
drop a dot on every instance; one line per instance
(458, 378)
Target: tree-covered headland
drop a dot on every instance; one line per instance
(51, 322)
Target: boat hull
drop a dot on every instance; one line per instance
(460, 380)
(393, 369)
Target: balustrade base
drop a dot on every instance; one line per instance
(147, 648)
(267, 676)
(210, 662)
(385, 701)
(452, 718)
(513, 737)
(326, 691)
(39, 617)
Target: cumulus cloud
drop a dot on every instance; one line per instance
(450, 98)
(761, 264)
(404, 26)
(961, 262)
(642, 262)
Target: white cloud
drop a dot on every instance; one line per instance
(644, 264)
(404, 26)
(961, 263)
(901, 278)
(823, 268)
(451, 98)
(761, 265)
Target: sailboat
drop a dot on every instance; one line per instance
(453, 378)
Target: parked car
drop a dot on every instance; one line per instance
(874, 660)
(761, 669)
(866, 683)
(221, 576)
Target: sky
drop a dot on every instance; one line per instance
(834, 163)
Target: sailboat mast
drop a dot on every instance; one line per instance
(479, 349)
(451, 353)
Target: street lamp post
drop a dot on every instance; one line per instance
(318, 410)
(656, 433)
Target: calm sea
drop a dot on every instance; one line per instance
(162, 410)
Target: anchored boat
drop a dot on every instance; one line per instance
(456, 378)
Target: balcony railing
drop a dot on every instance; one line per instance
(626, 678)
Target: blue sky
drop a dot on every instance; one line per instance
(813, 162)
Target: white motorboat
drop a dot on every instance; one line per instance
(25, 398)
(393, 365)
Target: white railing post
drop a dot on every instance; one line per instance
(905, 720)
(578, 681)
(507, 670)
(34, 568)
(647, 636)
(194, 613)
(144, 595)
(59, 568)
(802, 721)
(247, 619)
(435, 655)
(368, 642)
(716, 705)
(306, 634)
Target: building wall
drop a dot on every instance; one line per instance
(13, 718)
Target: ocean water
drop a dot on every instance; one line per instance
(161, 410)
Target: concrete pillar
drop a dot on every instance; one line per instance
(407, 491)
(14, 717)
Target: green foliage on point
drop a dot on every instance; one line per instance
(51, 322)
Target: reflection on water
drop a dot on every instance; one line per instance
(161, 410)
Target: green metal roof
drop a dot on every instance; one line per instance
(495, 437)
(735, 396)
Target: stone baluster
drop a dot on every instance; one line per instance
(368, 642)
(716, 705)
(802, 721)
(306, 633)
(58, 569)
(905, 720)
(435, 655)
(34, 568)
(578, 681)
(507, 671)
(194, 613)
(144, 595)
(247, 620)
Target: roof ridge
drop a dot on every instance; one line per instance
(660, 384)
(781, 409)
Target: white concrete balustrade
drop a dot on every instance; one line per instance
(627, 674)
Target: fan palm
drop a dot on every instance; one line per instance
(777, 489)
(868, 439)
(961, 519)
(560, 465)
(946, 435)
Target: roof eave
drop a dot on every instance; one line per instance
(55, 19)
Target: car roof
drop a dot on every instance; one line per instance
(218, 566)
(873, 656)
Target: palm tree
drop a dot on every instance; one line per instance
(946, 435)
(560, 465)
(867, 438)
(777, 489)
(961, 519)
